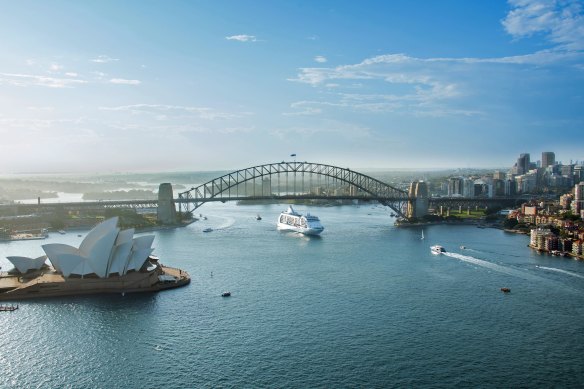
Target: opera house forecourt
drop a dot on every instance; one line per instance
(109, 260)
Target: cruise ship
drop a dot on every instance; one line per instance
(437, 249)
(290, 220)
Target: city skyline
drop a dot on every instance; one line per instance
(179, 86)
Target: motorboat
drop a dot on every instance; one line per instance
(208, 229)
(308, 224)
(505, 290)
(463, 247)
(226, 294)
(258, 217)
(437, 249)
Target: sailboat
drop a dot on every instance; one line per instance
(422, 238)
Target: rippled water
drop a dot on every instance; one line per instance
(365, 305)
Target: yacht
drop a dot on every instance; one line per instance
(437, 249)
(290, 220)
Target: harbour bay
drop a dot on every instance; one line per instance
(365, 304)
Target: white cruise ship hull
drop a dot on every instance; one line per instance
(301, 230)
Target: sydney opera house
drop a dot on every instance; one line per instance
(108, 260)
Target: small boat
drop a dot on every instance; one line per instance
(258, 217)
(62, 232)
(505, 290)
(208, 229)
(463, 247)
(204, 217)
(437, 249)
(226, 294)
(8, 308)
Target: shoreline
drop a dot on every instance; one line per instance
(565, 254)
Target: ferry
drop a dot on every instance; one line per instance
(290, 220)
(437, 249)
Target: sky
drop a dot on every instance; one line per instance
(139, 86)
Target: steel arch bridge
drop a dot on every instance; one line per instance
(228, 186)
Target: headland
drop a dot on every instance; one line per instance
(50, 283)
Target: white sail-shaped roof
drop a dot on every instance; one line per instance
(137, 258)
(24, 264)
(101, 250)
(141, 249)
(120, 258)
(120, 252)
(74, 264)
(105, 250)
(96, 234)
(54, 252)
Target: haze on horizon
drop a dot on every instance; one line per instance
(199, 86)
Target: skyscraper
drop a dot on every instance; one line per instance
(548, 158)
(523, 163)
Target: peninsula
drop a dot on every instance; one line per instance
(109, 260)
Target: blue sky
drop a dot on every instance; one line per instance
(107, 86)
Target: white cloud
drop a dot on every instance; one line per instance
(104, 59)
(561, 22)
(124, 81)
(25, 80)
(174, 111)
(242, 38)
(320, 59)
(55, 67)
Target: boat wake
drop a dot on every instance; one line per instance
(561, 271)
(493, 266)
(228, 222)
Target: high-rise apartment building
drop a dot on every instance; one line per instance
(548, 158)
(578, 202)
(455, 186)
(523, 164)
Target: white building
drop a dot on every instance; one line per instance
(105, 251)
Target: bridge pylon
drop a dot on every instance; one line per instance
(418, 203)
(166, 213)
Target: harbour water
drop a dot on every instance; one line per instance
(364, 305)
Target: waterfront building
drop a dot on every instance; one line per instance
(577, 247)
(538, 237)
(578, 202)
(105, 251)
(548, 158)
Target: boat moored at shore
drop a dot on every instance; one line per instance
(308, 224)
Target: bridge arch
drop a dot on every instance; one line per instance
(222, 188)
